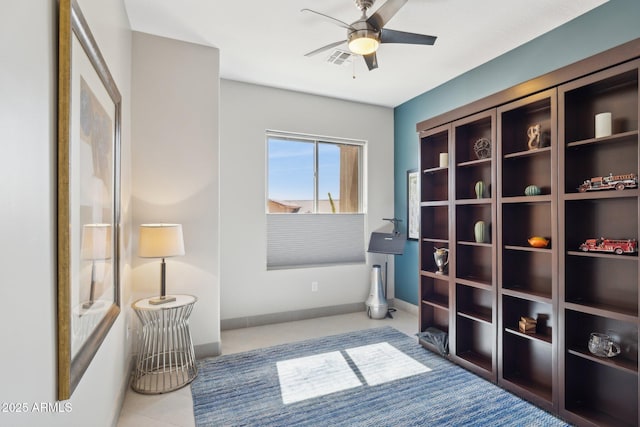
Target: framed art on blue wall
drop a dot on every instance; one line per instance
(413, 204)
(88, 198)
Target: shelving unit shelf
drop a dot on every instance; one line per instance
(540, 145)
(600, 289)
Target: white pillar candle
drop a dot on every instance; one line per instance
(444, 160)
(603, 125)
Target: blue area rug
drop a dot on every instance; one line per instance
(245, 389)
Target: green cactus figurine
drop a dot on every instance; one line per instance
(480, 231)
(479, 189)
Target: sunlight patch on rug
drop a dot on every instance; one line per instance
(382, 363)
(314, 376)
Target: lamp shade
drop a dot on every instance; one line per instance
(160, 240)
(96, 241)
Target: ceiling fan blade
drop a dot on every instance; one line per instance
(331, 19)
(393, 36)
(323, 48)
(371, 60)
(385, 12)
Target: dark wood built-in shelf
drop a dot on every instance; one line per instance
(437, 169)
(437, 302)
(484, 317)
(530, 336)
(527, 153)
(624, 365)
(473, 163)
(623, 257)
(490, 286)
(606, 139)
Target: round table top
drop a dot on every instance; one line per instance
(181, 300)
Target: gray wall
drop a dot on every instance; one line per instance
(175, 178)
(246, 112)
(28, 34)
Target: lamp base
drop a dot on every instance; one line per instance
(161, 300)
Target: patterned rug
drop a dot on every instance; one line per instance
(376, 377)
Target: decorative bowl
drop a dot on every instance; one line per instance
(538, 242)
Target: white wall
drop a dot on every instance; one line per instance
(246, 112)
(175, 174)
(28, 50)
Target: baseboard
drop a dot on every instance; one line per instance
(291, 316)
(405, 306)
(207, 350)
(126, 383)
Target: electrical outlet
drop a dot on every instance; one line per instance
(314, 286)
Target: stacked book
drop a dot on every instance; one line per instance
(527, 325)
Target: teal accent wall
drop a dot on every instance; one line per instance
(612, 24)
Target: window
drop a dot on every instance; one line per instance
(311, 175)
(322, 178)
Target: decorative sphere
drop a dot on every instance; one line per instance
(532, 190)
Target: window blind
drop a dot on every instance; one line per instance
(304, 240)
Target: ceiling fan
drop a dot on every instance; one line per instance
(365, 35)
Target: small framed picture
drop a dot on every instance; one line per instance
(413, 204)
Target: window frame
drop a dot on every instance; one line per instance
(316, 140)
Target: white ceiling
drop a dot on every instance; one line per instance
(264, 42)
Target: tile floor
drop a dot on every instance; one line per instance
(176, 408)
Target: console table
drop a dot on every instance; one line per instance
(166, 359)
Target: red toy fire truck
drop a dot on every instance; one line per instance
(619, 182)
(618, 246)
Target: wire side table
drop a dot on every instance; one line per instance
(166, 360)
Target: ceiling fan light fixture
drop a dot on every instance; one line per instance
(363, 44)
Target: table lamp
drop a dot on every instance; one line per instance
(95, 246)
(161, 241)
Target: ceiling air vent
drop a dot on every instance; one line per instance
(339, 57)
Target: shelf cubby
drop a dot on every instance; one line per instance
(599, 394)
(434, 222)
(435, 291)
(519, 116)
(432, 144)
(475, 344)
(467, 133)
(579, 327)
(532, 368)
(468, 174)
(613, 218)
(520, 221)
(514, 308)
(615, 91)
(432, 316)
(427, 261)
(608, 283)
(474, 263)
(434, 185)
(528, 271)
(530, 168)
(435, 316)
(474, 303)
(616, 156)
(466, 218)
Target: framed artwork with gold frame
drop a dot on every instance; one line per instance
(89, 109)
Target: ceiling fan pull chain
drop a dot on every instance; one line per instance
(353, 67)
